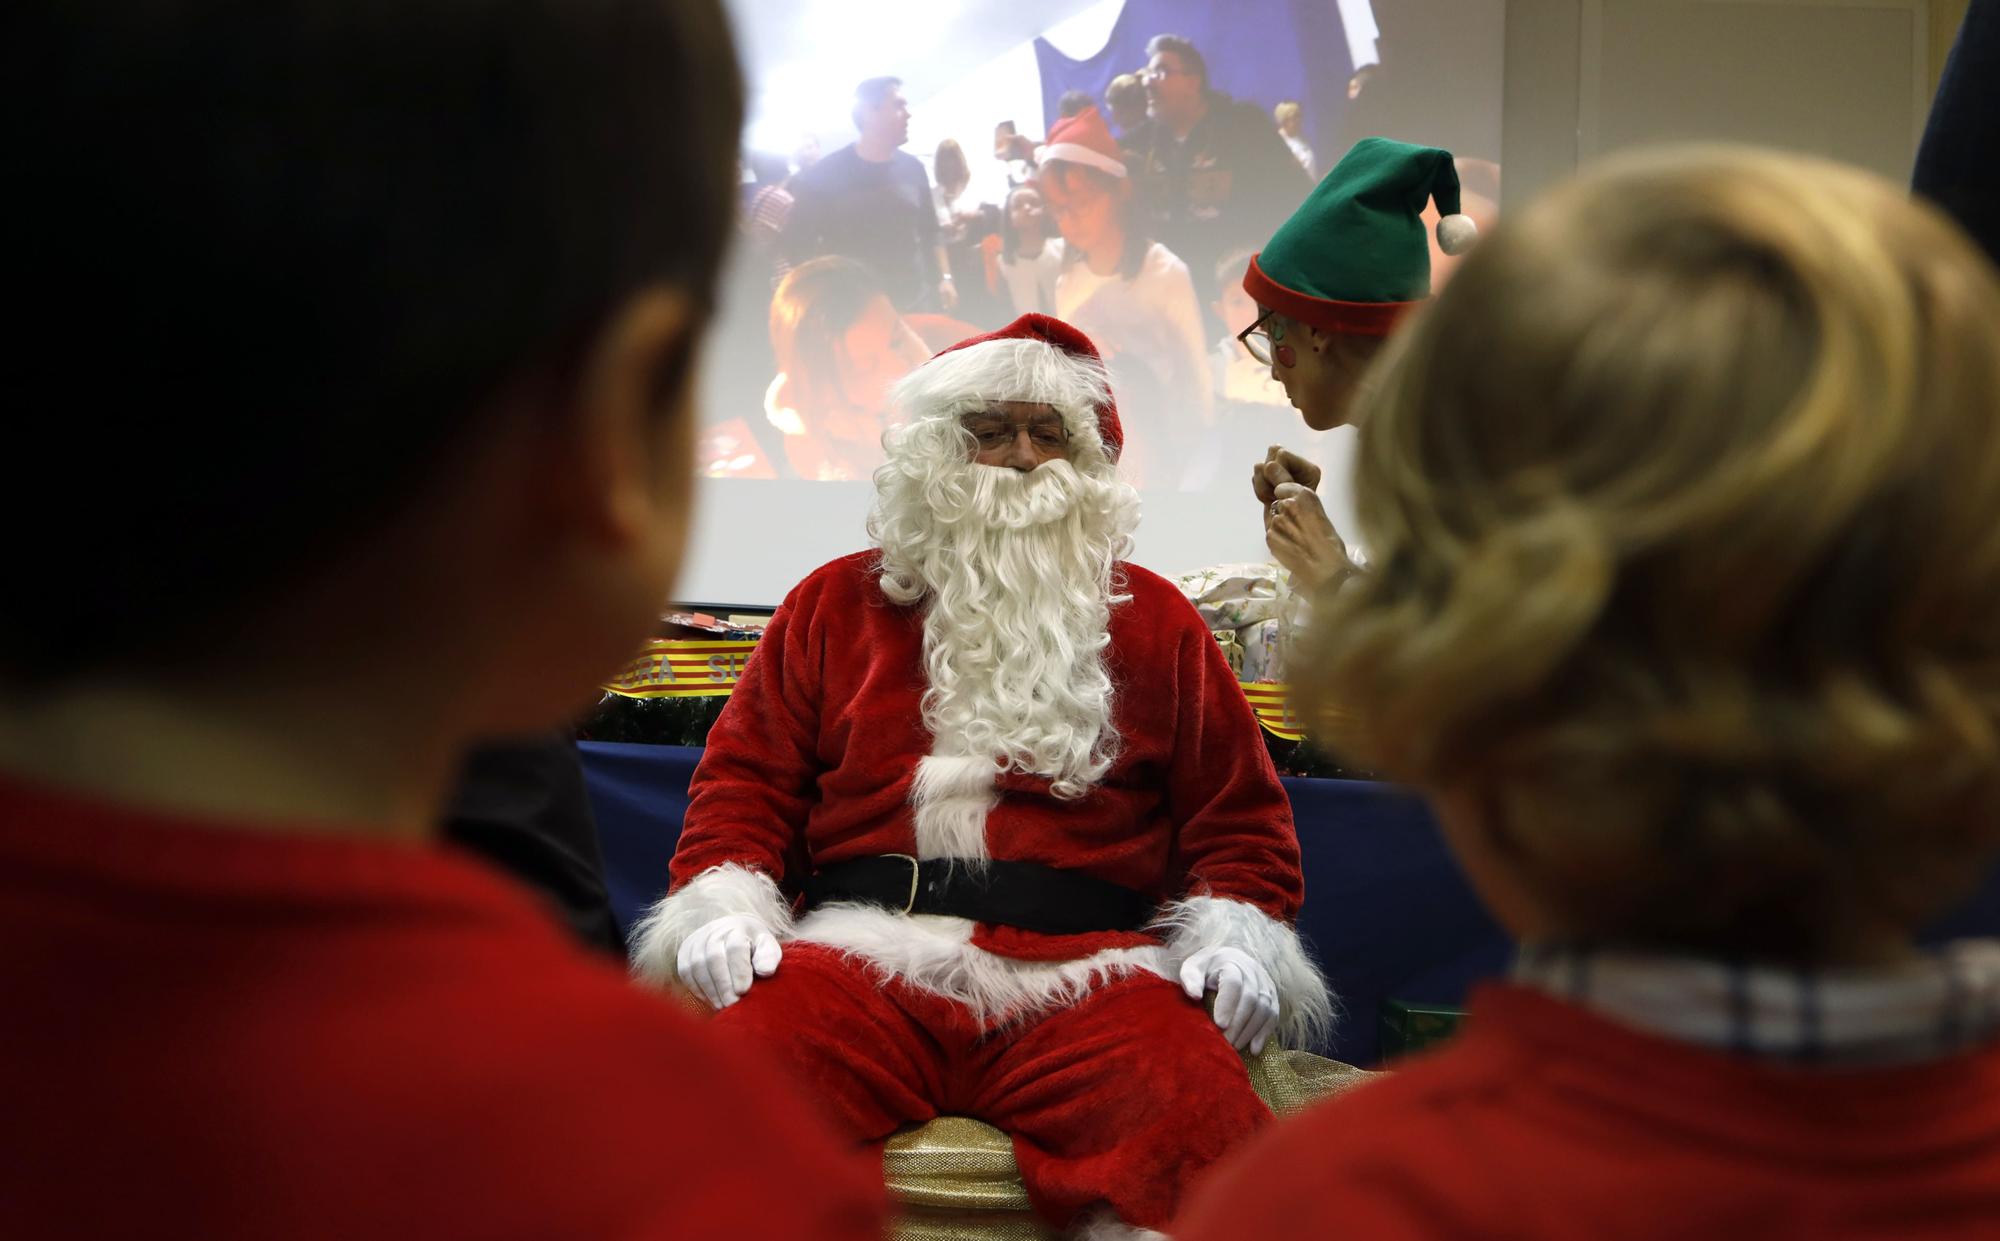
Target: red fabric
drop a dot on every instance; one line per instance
(1088, 130)
(1351, 318)
(1122, 1098)
(1059, 335)
(214, 1033)
(811, 761)
(1545, 1121)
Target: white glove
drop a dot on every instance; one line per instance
(722, 958)
(1246, 999)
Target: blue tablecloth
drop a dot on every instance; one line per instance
(1386, 910)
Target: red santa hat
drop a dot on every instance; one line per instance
(1084, 139)
(1035, 338)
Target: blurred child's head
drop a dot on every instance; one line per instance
(1126, 100)
(951, 170)
(838, 338)
(1234, 306)
(1089, 206)
(1024, 225)
(1073, 102)
(1008, 144)
(1683, 502)
(356, 324)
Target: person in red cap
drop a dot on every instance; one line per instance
(988, 815)
(1132, 295)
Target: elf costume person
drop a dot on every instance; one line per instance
(1331, 284)
(988, 815)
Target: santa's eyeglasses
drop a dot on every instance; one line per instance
(991, 432)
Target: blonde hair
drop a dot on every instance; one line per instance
(949, 166)
(1684, 505)
(1287, 112)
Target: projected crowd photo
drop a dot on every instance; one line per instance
(888, 215)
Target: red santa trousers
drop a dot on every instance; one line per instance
(1122, 1098)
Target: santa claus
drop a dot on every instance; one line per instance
(988, 815)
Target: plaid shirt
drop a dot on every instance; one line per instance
(1934, 1005)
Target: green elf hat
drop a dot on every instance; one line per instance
(1353, 258)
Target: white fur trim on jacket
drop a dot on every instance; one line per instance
(1305, 1006)
(951, 797)
(934, 953)
(715, 893)
(1103, 1225)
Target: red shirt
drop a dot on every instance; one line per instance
(1543, 1120)
(215, 1033)
(812, 760)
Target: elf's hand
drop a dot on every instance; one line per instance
(722, 958)
(1278, 468)
(1302, 538)
(1246, 999)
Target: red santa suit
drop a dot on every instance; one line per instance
(1116, 1087)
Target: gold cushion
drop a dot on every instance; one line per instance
(954, 1179)
(954, 1162)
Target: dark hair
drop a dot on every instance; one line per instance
(1073, 102)
(286, 253)
(811, 310)
(766, 167)
(875, 92)
(1009, 239)
(1137, 242)
(1125, 87)
(1189, 55)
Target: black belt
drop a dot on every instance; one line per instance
(1027, 895)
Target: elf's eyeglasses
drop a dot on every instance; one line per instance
(1262, 336)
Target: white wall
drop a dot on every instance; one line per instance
(1848, 79)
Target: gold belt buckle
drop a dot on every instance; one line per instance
(909, 903)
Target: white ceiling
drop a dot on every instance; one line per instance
(817, 50)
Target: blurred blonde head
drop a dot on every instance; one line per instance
(1684, 505)
(950, 169)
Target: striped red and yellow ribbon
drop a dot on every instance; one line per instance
(682, 668)
(1272, 705)
(678, 668)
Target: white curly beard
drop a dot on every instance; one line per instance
(1016, 573)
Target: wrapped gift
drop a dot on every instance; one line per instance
(1232, 650)
(1255, 606)
(1233, 596)
(1263, 646)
